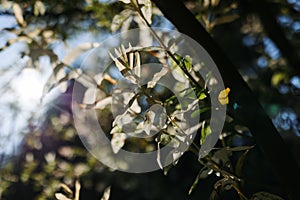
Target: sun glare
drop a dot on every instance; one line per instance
(28, 87)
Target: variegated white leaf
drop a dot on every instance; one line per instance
(158, 160)
(18, 13)
(123, 119)
(119, 19)
(118, 141)
(146, 10)
(103, 103)
(39, 8)
(137, 68)
(106, 194)
(125, 1)
(157, 76)
(60, 196)
(89, 96)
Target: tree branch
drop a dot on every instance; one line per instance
(251, 113)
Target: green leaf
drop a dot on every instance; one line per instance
(202, 96)
(199, 111)
(179, 58)
(177, 70)
(188, 62)
(205, 131)
(166, 139)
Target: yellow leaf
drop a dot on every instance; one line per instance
(277, 78)
(223, 96)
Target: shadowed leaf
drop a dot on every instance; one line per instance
(265, 196)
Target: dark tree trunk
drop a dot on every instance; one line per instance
(251, 112)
